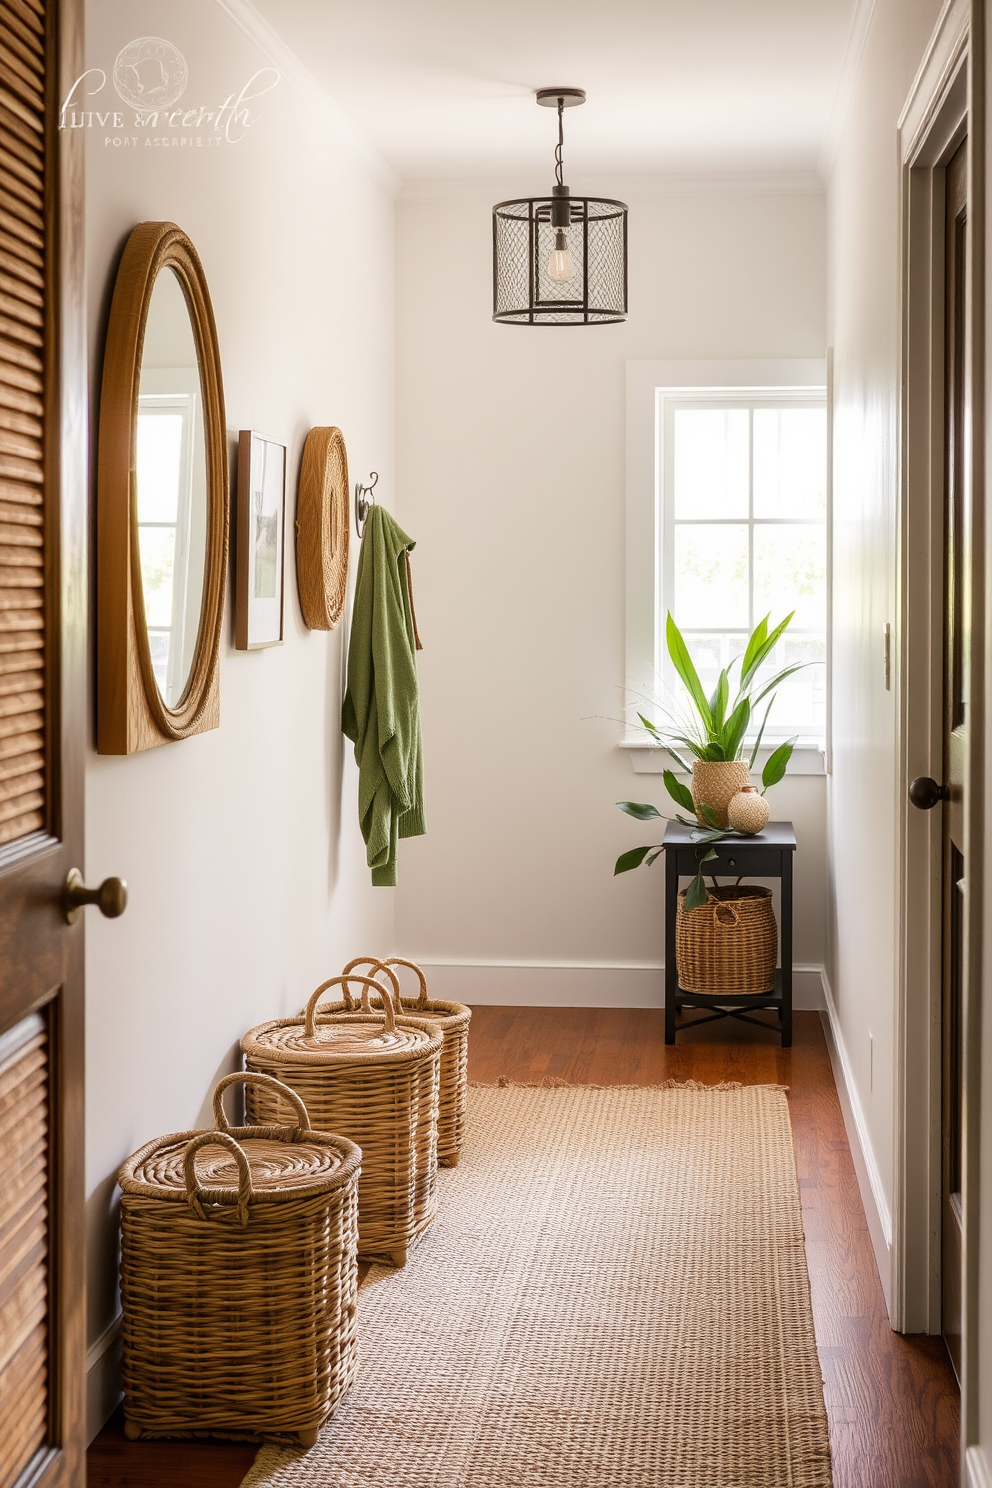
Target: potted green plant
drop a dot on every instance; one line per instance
(717, 733)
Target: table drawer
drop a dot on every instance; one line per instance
(732, 859)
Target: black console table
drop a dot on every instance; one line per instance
(766, 855)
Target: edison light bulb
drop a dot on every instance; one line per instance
(560, 262)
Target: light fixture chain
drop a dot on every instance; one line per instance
(561, 142)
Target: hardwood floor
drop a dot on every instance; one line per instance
(892, 1401)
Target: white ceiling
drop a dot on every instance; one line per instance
(443, 89)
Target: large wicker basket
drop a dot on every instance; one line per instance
(453, 1019)
(728, 945)
(375, 1078)
(239, 1278)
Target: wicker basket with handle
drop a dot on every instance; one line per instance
(453, 1019)
(728, 945)
(224, 1331)
(375, 1078)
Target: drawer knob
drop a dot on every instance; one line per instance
(731, 862)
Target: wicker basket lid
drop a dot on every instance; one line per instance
(450, 1016)
(242, 1165)
(372, 1036)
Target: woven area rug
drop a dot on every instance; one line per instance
(614, 1295)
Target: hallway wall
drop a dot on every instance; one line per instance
(511, 466)
(241, 849)
(864, 321)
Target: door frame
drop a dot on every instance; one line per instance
(945, 102)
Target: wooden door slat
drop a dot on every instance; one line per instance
(29, 15)
(21, 826)
(27, 36)
(18, 40)
(19, 270)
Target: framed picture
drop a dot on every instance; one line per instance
(261, 526)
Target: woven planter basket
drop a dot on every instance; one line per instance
(716, 783)
(227, 1330)
(374, 1078)
(729, 945)
(453, 1019)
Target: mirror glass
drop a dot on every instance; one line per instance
(171, 487)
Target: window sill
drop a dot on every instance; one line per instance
(808, 758)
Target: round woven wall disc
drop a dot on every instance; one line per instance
(323, 528)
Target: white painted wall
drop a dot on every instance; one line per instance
(864, 257)
(511, 450)
(241, 847)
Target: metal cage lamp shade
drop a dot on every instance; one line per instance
(560, 259)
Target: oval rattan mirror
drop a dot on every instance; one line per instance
(162, 528)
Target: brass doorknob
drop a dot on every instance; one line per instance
(110, 898)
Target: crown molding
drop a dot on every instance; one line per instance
(285, 61)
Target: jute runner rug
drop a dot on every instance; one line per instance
(614, 1295)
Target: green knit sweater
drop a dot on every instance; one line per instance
(381, 710)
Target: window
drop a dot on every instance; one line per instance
(743, 532)
(727, 520)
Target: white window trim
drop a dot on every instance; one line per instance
(646, 380)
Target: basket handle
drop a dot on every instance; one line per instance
(719, 904)
(249, 1077)
(377, 966)
(402, 961)
(310, 1011)
(195, 1194)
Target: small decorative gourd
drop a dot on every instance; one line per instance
(748, 811)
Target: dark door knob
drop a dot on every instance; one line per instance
(924, 793)
(110, 898)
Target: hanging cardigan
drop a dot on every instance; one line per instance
(381, 710)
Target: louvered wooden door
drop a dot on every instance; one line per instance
(43, 578)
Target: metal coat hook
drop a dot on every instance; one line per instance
(364, 499)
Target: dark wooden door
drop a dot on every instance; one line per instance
(956, 525)
(43, 583)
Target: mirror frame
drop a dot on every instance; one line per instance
(131, 713)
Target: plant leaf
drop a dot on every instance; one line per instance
(719, 700)
(709, 816)
(756, 639)
(695, 894)
(708, 857)
(632, 859)
(682, 661)
(737, 726)
(651, 856)
(777, 763)
(679, 793)
(682, 764)
(762, 650)
(640, 810)
(652, 728)
(757, 742)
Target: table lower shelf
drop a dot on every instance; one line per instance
(731, 1005)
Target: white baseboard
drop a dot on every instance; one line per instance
(103, 1378)
(976, 1468)
(575, 984)
(873, 1198)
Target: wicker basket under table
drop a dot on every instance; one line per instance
(239, 1279)
(375, 1078)
(728, 945)
(453, 1019)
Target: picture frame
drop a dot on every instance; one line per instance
(259, 587)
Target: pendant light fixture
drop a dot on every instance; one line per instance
(560, 259)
